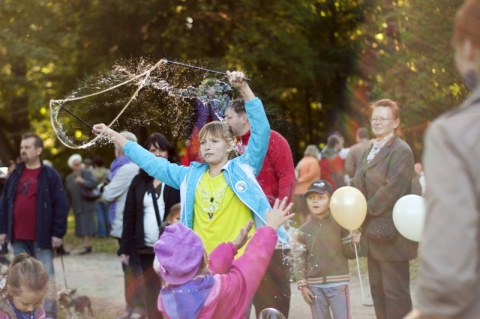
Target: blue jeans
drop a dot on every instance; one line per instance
(45, 256)
(335, 298)
(103, 219)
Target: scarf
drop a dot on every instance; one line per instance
(377, 146)
(116, 164)
(187, 300)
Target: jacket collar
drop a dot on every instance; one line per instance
(471, 99)
(383, 152)
(322, 220)
(244, 138)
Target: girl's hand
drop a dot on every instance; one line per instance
(114, 137)
(236, 79)
(100, 128)
(279, 214)
(243, 236)
(308, 295)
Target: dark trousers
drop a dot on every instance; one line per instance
(274, 290)
(390, 288)
(133, 283)
(152, 285)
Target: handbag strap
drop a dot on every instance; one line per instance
(155, 204)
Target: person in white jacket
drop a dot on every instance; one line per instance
(122, 172)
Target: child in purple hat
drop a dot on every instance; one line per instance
(200, 288)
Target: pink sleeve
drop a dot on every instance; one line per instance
(240, 284)
(220, 259)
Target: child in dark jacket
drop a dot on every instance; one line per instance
(321, 254)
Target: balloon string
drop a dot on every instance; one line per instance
(358, 269)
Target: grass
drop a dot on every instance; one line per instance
(100, 245)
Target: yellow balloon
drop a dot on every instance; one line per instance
(348, 207)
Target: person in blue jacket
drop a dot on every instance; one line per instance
(222, 194)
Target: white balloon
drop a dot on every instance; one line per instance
(409, 216)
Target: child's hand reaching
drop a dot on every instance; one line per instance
(279, 213)
(242, 237)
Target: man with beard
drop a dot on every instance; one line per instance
(34, 209)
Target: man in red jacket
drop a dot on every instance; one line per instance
(277, 179)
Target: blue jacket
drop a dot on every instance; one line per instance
(52, 205)
(239, 172)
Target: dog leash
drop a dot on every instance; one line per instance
(64, 274)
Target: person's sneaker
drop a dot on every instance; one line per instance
(126, 314)
(138, 313)
(86, 250)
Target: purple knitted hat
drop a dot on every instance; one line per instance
(179, 252)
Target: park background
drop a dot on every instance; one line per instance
(315, 64)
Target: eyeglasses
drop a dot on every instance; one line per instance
(380, 119)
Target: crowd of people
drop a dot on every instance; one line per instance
(209, 239)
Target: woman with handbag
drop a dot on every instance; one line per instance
(146, 208)
(82, 193)
(384, 175)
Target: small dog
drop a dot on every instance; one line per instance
(75, 306)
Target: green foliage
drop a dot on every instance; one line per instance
(410, 60)
(315, 63)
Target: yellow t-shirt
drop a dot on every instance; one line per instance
(219, 213)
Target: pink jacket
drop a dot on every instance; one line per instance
(233, 292)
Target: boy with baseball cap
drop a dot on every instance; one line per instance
(220, 287)
(320, 255)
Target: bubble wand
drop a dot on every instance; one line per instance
(76, 116)
(195, 67)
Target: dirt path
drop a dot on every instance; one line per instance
(100, 277)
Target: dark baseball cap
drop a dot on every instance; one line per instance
(321, 187)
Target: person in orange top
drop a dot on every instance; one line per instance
(307, 171)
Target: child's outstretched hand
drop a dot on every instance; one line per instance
(279, 213)
(237, 80)
(243, 237)
(110, 134)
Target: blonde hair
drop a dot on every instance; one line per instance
(26, 272)
(220, 130)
